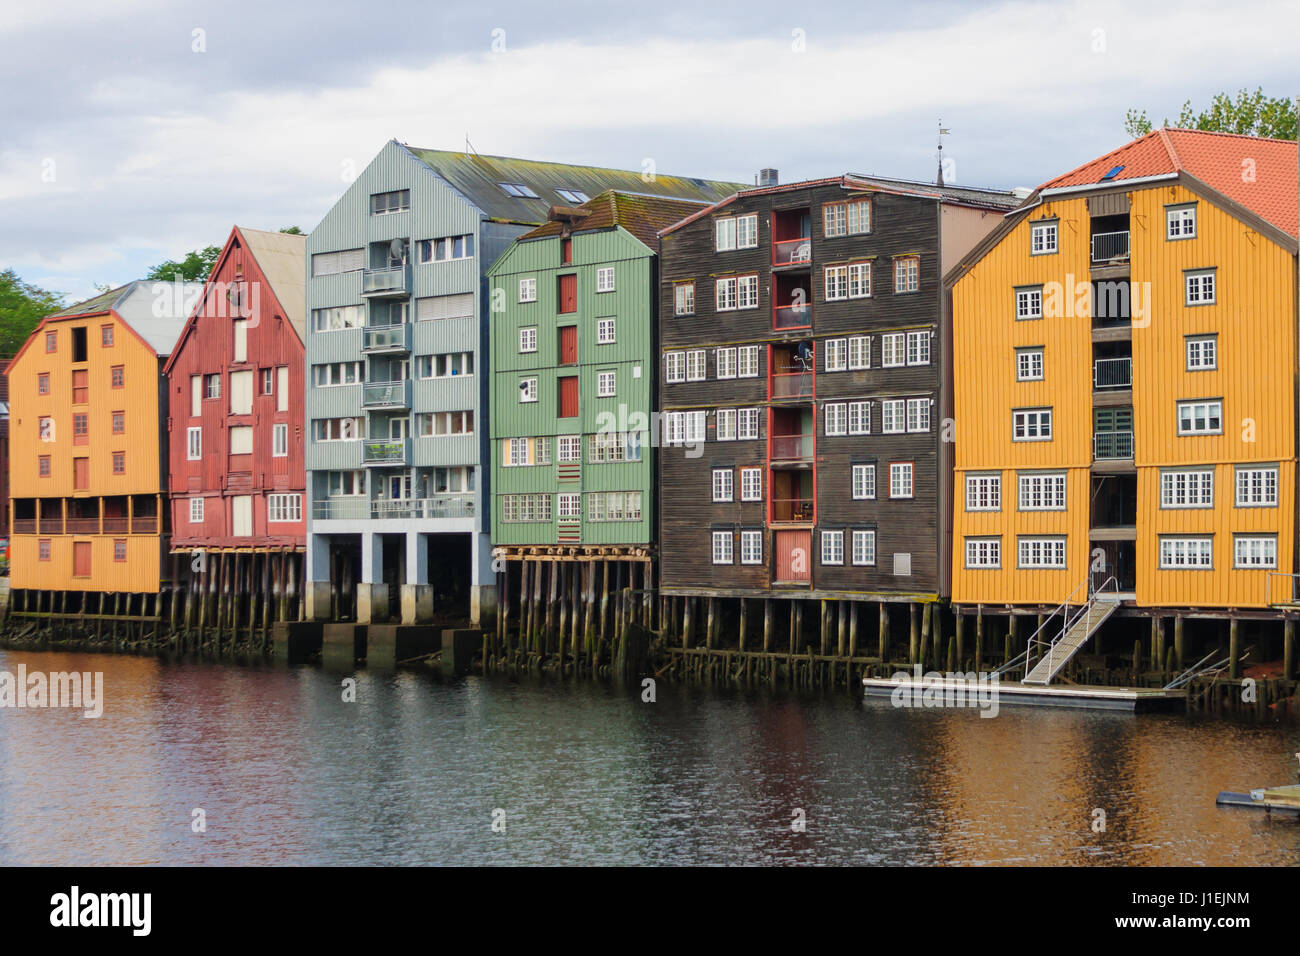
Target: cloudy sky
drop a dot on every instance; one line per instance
(134, 131)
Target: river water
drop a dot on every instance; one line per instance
(416, 770)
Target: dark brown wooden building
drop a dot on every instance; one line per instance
(805, 374)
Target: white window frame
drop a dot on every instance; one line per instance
(723, 547)
(907, 275)
(194, 443)
(747, 424)
(1043, 237)
(832, 548)
(1246, 477)
(1029, 303)
(1029, 365)
(605, 279)
(983, 552)
(836, 354)
(674, 367)
(751, 484)
(724, 482)
(605, 331)
(1202, 352)
(893, 350)
(606, 383)
(984, 492)
(283, 508)
(1041, 491)
(893, 416)
(280, 440)
(748, 358)
(751, 547)
(859, 418)
(835, 418)
(528, 289)
(863, 482)
(528, 340)
(918, 347)
(918, 415)
(1031, 424)
(684, 298)
(1186, 553)
(724, 362)
(1180, 222)
(1186, 488)
(902, 479)
(1201, 286)
(725, 424)
(1254, 551)
(1040, 552)
(862, 537)
(1212, 408)
(697, 365)
(859, 352)
(528, 390)
(196, 515)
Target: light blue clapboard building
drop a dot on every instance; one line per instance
(396, 400)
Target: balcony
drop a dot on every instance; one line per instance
(792, 316)
(793, 384)
(1112, 373)
(83, 524)
(144, 524)
(1110, 247)
(386, 338)
(395, 394)
(1112, 446)
(792, 448)
(792, 510)
(354, 506)
(791, 300)
(792, 252)
(24, 525)
(393, 452)
(450, 505)
(116, 524)
(388, 281)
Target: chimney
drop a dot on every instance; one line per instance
(767, 177)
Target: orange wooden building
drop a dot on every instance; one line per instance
(88, 462)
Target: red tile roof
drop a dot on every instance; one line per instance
(1260, 174)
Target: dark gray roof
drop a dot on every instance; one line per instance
(964, 195)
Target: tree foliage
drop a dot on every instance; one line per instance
(1250, 114)
(194, 267)
(22, 306)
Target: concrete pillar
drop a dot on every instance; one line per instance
(372, 593)
(316, 589)
(483, 589)
(417, 592)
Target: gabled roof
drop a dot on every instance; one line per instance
(1259, 174)
(282, 257)
(998, 199)
(640, 214)
(155, 310)
(480, 178)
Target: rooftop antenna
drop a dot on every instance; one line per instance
(942, 133)
(468, 147)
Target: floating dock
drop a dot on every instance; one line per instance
(1092, 697)
(1272, 800)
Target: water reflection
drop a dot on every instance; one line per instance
(286, 772)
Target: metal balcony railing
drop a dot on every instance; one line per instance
(386, 394)
(792, 447)
(352, 506)
(1112, 446)
(390, 280)
(790, 252)
(392, 452)
(386, 338)
(792, 509)
(449, 505)
(792, 384)
(1110, 247)
(792, 316)
(1112, 373)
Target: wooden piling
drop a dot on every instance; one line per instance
(883, 639)
(1288, 648)
(767, 625)
(1180, 646)
(1234, 650)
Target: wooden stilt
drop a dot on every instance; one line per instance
(744, 622)
(1180, 647)
(1288, 648)
(853, 629)
(1234, 650)
(883, 639)
(913, 635)
(767, 625)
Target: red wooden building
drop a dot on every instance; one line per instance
(235, 384)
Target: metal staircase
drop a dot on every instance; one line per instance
(1077, 623)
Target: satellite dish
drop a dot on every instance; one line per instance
(397, 249)
(803, 353)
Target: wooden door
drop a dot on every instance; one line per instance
(568, 345)
(569, 292)
(241, 393)
(793, 555)
(81, 559)
(241, 516)
(80, 474)
(568, 396)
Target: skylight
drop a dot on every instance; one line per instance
(1115, 171)
(518, 190)
(573, 195)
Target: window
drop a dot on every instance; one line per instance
(80, 386)
(447, 248)
(1180, 222)
(604, 331)
(859, 353)
(81, 428)
(212, 385)
(337, 429)
(864, 482)
(333, 263)
(837, 283)
(893, 350)
(280, 441)
(722, 544)
(1254, 551)
(751, 547)
(836, 354)
(45, 428)
(569, 505)
(832, 547)
(45, 466)
(268, 381)
(1029, 303)
(725, 363)
(674, 367)
(399, 200)
(1200, 418)
(846, 218)
(684, 298)
(1200, 287)
(283, 508)
(430, 424)
(859, 418)
(983, 553)
(1042, 492)
(346, 483)
(336, 373)
(528, 340)
(525, 508)
(517, 191)
(119, 549)
(1029, 365)
(119, 422)
(736, 232)
(907, 274)
(106, 336)
(983, 492)
(614, 506)
(696, 365)
(605, 384)
(239, 327)
(1042, 238)
(615, 446)
(918, 348)
(605, 279)
(528, 390)
(836, 418)
(751, 484)
(1186, 553)
(1202, 352)
(118, 376)
(747, 428)
(1040, 552)
(119, 463)
(1257, 487)
(194, 443)
(1187, 489)
(900, 479)
(196, 511)
(864, 548)
(748, 358)
(572, 195)
(43, 383)
(338, 318)
(726, 424)
(683, 427)
(736, 292)
(528, 290)
(722, 484)
(918, 414)
(860, 280)
(51, 341)
(1031, 424)
(526, 451)
(43, 549)
(893, 414)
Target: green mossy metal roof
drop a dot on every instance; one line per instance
(99, 303)
(640, 214)
(479, 179)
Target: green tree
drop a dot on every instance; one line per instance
(293, 231)
(194, 267)
(1250, 114)
(22, 306)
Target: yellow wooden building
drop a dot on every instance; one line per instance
(1125, 365)
(88, 452)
